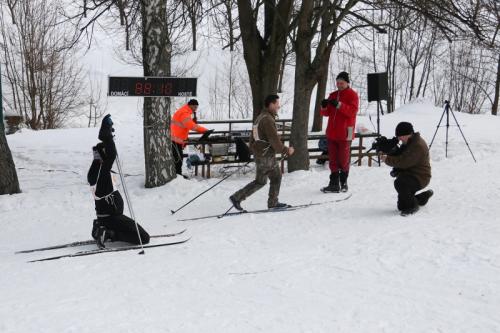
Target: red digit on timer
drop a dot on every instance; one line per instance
(147, 88)
(166, 89)
(138, 88)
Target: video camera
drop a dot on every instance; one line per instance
(386, 146)
(389, 147)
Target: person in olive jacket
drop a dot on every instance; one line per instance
(265, 143)
(412, 169)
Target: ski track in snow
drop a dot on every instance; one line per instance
(352, 266)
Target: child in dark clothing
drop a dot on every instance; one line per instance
(111, 224)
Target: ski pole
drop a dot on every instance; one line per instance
(129, 204)
(211, 187)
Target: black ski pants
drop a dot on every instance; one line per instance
(177, 152)
(124, 229)
(407, 185)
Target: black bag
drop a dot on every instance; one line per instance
(242, 151)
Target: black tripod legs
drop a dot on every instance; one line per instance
(447, 110)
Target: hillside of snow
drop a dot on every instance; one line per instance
(351, 266)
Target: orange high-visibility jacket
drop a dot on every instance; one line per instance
(181, 123)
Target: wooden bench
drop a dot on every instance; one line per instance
(281, 124)
(230, 158)
(354, 154)
(226, 158)
(358, 150)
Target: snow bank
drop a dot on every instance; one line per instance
(354, 266)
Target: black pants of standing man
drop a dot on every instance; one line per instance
(177, 153)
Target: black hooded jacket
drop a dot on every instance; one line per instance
(108, 201)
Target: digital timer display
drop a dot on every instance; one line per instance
(151, 86)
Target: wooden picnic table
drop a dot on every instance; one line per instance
(229, 138)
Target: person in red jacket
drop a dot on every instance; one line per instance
(183, 121)
(341, 108)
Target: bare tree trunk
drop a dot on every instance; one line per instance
(229, 5)
(429, 71)
(193, 28)
(231, 83)
(494, 108)
(263, 55)
(320, 95)
(192, 15)
(427, 66)
(412, 81)
(90, 114)
(308, 71)
(156, 51)
(282, 74)
(9, 183)
(8, 176)
(302, 95)
(391, 68)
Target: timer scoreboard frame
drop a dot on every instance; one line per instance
(151, 86)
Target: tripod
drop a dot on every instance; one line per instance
(448, 110)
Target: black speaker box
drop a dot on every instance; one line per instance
(377, 87)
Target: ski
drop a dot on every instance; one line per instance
(269, 210)
(90, 242)
(109, 249)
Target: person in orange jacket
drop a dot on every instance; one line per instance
(183, 121)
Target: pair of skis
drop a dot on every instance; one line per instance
(103, 250)
(262, 211)
(137, 247)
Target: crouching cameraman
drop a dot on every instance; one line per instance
(412, 169)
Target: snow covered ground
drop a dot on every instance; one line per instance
(353, 266)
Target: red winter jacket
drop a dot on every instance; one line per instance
(341, 121)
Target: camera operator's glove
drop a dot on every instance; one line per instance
(324, 103)
(106, 131)
(334, 102)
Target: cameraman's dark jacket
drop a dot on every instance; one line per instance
(264, 140)
(414, 160)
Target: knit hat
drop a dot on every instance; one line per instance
(343, 76)
(404, 128)
(193, 102)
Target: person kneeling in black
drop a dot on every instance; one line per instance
(111, 224)
(412, 169)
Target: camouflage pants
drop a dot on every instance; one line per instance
(267, 167)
